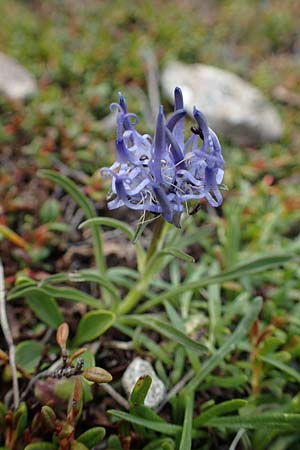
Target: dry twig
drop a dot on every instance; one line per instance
(8, 338)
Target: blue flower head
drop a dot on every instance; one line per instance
(162, 174)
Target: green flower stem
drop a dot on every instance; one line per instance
(157, 237)
(137, 292)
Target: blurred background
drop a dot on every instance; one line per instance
(79, 55)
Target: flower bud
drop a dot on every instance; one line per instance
(97, 375)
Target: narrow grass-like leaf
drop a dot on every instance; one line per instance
(143, 339)
(258, 421)
(147, 413)
(178, 322)
(161, 427)
(186, 435)
(92, 325)
(177, 253)
(237, 336)
(66, 293)
(257, 265)
(60, 293)
(93, 277)
(160, 444)
(219, 410)
(281, 366)
(55, 278)
(109, 222)
(45, 307)
(234, 381)
(165, 329)
(87, 207)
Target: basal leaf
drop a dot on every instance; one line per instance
(45, 307)
(161, 427)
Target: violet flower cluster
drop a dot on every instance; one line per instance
(161, 175)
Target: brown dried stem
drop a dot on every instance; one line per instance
(8, 337)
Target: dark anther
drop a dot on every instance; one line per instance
(143, 157)
(195, 209)
(196, 130)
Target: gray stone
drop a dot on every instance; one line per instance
(16, 82)
(233, 107)
(140, 367)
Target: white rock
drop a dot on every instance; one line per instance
(234, 108)
(15, 81)
(140, 367)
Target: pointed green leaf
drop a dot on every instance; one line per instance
(281, 366)
(140, 390)
(177, 253)
(186, 436)
(161, 427)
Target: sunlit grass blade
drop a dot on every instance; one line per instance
(257, 265)
(239, 333)
(87, 207)
(165, 329)
(186, 435)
